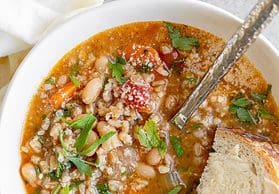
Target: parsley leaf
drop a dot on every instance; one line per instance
(262, 97)
(241, 101)
(86, 124)
(258, 97)
(56, 189)
(148, 136)
(72, 77)
(50, 81)
(266, 114)
(178, 41)
(81, 165)
(61, 138)
(244, 115)
(98, 142)
(117, 70)
(57, 173)
(75, 184)
(103, 188)
(176, 145)
(175, 190)
(65, 190)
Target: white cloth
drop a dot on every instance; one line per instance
(23, 22)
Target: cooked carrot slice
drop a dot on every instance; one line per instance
(63, 95)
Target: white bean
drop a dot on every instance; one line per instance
(145, 171)
(29, 173)
(91, 139)
(92, 90)
(54, 131)
(153, 157)
(101, 64)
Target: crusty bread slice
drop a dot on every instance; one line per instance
(241, 163)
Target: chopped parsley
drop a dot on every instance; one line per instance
(98, 142)
(50, 81)
(266, 114)
(81, 165)
(175, 190)
(180, 42)
(86, 124)
(242, 107)
(239, 105)
(176, 145)
(117, 70)
(72, 75)
(56, 189)
(75, 184)
(148, 136)
(56, 174)
(103, 188)
(262, 97)
(65, 190)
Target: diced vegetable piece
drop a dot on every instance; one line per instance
(145, 58)
(137, 95)
(63, 95)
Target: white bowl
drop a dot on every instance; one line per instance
(59, 41)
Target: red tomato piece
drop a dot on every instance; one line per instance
(137, 95)
(140, 55)
(172, 58)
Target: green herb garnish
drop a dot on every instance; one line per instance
(81, 165)
(192, 79)
(38, 170)
(266, 114)
(103, 188)
(196, 126)
(98, 142)
(178, 41)
(244, 115)
(86, 124)
(75, 184)
(241, 101)
(117, 70)
(50, 81)
(262, 97)
(56, 189)
(148, 136)
(72, 76)
(175, 190)
(61, 139)
(240, 105)
(67, 112)
(65, 190)
(176, 145)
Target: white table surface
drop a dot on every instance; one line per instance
(241, 8)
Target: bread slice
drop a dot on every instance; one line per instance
(242, 163)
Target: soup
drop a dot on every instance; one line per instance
(100, 121)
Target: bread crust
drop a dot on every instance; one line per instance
(262, 146)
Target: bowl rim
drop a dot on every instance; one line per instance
(4, 116)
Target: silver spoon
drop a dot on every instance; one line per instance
(247, 33)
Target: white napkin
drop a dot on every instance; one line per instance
(23, 22)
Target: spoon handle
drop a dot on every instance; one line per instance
(246, 34)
